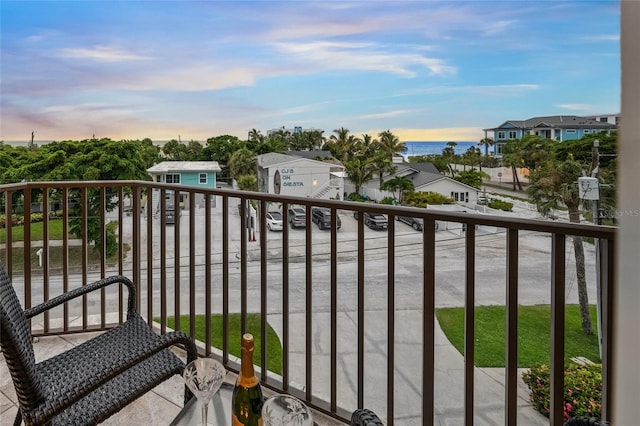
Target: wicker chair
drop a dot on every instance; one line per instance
(92, 381)
(365, 417)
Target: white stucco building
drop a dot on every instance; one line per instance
(294, 174)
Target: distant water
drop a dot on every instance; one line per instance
(436, 147)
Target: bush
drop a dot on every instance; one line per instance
(388, 200)
(421, 199)
(582, 390)
(500, 205)
(357, 197)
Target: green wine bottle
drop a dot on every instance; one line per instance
(246, 403)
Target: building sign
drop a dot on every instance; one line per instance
(288, 178)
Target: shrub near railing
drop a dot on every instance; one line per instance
(582, 390)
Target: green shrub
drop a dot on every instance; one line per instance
(421, 199)
(388, 200)
(582, 390)
(500, 205)
(357, 197)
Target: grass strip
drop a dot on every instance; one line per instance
(274, 347)
(534, 331)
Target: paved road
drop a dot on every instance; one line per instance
(534, 276)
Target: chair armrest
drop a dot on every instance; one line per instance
(137, 354)
(65, 297)
(365, 417)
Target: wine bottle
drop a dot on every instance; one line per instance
(246, 403)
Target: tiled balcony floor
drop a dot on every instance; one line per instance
(157, 407)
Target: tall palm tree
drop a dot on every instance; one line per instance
(486, 142)
(553, 185)
(390, 144)
(359, 171)
(256, 136)
(449, 155)
(343, 146)
(513, 156)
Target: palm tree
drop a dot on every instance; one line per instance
(256, 136)
(359, 171)
(400, 184)
(553, 185)
(390, 144)
(342, 144)
(513, 156)
(242, 162)
(449, 155)
(486, 142)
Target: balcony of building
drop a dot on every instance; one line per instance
(354, 308)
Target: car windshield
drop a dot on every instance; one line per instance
(298, 211)
(276, 215)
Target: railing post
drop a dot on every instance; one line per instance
(511, 362)
(556, 374)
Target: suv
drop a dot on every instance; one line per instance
(414, 222)
(297, 217)
(322, 216)
(375, 221)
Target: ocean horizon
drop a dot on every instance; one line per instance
(415, 148)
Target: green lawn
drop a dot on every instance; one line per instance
(55, 252)
(533, 334)
(274, 347)
(17, 232)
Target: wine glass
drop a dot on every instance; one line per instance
(204, 376)
(285, 410)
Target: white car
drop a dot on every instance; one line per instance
(274, 221)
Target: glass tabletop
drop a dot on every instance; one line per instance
(219, 409)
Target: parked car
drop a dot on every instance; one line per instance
(482, 200)
(414, 222)
(274, 221)
(297, 217)
(322, 216)
(376, 221)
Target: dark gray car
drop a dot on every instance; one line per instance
(322, 216)
(414, 222)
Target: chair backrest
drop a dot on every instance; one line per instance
(15, 339)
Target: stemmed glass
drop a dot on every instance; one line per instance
(285, 410)
(204, 376)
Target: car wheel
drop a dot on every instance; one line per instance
(415, 226)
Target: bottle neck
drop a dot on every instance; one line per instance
(247, 377)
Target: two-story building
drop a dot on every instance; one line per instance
(296, 174)
(189, 173)
(556, 127)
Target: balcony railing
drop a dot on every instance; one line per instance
(332, 295)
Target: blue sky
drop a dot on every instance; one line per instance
(426, 70)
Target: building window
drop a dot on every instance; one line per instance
(571, 130)
(501, 135)
(603, 119)
(512, 135)
(499, 148)
(587, 131)
(202, 178)
(172, 178)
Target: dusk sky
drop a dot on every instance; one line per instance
(426, 70)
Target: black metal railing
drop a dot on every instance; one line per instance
(219, 258)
